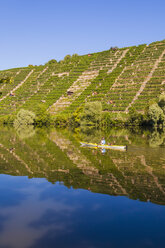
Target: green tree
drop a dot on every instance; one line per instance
(91, 114)
(156, 115)
(75, 119)
(161, 102)
(135, 118)
(24, 117)
(42, 115)
(51, 62)
(67, 58)
(75, 55)
(61, 120)
(6, 80)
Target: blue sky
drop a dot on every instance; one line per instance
(35, 31)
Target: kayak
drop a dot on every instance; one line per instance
(94, 145)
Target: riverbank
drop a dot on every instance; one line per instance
(92, 114)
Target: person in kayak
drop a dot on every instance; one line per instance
(103, 141)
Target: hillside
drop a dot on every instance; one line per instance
(119, 78)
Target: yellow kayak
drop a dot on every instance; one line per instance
(94, 145)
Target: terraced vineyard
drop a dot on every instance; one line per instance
(119, 78)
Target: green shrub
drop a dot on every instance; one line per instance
(75, 119)
(61, 120)
(75, 55)
(161, 102)
(91, 114)
(24, 117)
(67, 58)
(6, 80)
(42, 116)
(106, 119)
(156, 115)
(51, 62)
(7, 119)
(135, 118)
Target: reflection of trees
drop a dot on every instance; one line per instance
(157, 138)
(25, 131)
(58, 156)
(90, 134)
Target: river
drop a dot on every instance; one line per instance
(55, 193)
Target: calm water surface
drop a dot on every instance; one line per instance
(54, 193)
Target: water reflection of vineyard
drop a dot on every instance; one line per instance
(56, 155)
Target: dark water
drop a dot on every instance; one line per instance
(54, 193)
